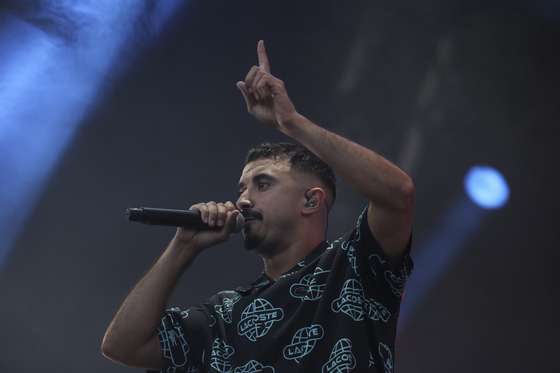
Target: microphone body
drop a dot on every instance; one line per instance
(175, 218)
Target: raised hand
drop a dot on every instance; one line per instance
(265, 95)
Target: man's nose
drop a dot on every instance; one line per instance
(243, 204)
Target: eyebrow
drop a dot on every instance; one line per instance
(261, 176)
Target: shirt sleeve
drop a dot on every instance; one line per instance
(183, 337)
(371, 263)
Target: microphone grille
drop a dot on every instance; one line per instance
(239, 223)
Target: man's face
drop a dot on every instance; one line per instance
(272, 194)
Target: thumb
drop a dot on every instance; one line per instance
(248, 100)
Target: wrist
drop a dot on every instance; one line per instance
(182, 252)
(292, 124)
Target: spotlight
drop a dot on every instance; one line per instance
(486, 187)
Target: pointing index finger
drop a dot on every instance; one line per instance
(263, 58)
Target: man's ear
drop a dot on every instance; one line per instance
(314, 199)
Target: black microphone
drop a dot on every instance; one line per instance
(175, 218)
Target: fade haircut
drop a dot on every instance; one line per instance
(300, 159)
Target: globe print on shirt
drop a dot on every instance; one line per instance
(303, 342)
(353, 303)
(311, 286)
(341, 359)
(220, 356)
(257, 319)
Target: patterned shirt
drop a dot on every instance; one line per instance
(334, 311)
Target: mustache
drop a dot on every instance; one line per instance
(249, 214)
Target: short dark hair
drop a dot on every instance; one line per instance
(300, 159)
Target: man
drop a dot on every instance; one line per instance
(317, 306)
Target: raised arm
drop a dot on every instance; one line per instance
(389, 190)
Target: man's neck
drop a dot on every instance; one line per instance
(283, 260)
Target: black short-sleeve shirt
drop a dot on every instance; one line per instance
(334, 311)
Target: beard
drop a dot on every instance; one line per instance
(251, 243)
(250, 240)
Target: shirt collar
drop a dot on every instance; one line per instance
(264, 279)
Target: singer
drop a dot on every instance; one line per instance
(318, 306)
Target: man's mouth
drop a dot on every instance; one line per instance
(249, 216)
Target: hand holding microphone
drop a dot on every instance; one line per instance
(204, 224)
(221, 216)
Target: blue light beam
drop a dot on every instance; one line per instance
(486, 190)
(438, 253)
(55, 61)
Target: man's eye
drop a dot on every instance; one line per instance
(261, 184)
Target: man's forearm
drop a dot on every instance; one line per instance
(373, 176)
(139, 316)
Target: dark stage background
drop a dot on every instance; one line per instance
(434, 86)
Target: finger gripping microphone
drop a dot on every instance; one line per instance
(175, 218)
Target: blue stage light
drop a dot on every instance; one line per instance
(55, 60)
(486, 187)
(439, 250)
